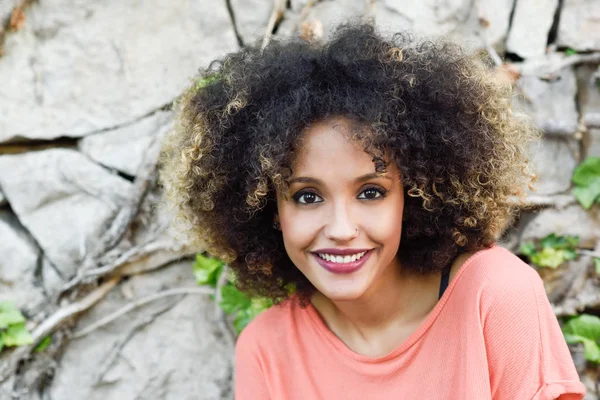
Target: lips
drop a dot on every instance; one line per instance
(350, 260)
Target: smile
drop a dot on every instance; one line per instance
(342, 262)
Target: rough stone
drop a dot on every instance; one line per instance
(551, 103)
(455, 18)
(63, 199)
(251, 18)
(124, 148)
(593, 145)
(323, 17)
(554, 163)
(572, 220)
(78, 67)
(579, 26)
(18, 264)
(168, 349)
(496, 17)
(531, 24)
(588, 77)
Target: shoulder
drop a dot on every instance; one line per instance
(497, 271)
(270, 329)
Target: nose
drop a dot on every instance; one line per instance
(340, 226)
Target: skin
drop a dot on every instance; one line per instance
(328, 205)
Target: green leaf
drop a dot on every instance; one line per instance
(550, 241)
(207, 80)
(16, 335)
(591, 348)
(584, 325)
(9, 314)
(43, 344)
(550, 257)
(207, 270)
(597, 265)
(570, 52)
(587, 195)
(587, 172)
(245, 316)
(528, 249)
(233, 300)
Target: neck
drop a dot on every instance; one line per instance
(399, 298)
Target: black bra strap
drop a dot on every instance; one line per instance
(445, 280)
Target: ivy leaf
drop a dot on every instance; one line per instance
(233, 300)
(243, 317)
(584, 325)
(16, 335)
(9, 314)
(207, 270)
(587, 172)
(528, 249)
(587, 195)
(551, 257)
(591, 348)
(597, 265)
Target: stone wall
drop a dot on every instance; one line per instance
(86, 95)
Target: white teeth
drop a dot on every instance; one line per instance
(341, 259)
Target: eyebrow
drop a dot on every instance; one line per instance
(363, 178)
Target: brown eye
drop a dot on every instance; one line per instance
(372, 193)
(307, 198)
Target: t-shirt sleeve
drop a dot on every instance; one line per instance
(250, 383)
(527, 354)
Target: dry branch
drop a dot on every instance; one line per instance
(52, 323)
(138, 303)
(276, 14)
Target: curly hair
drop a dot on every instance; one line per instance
(439, 110)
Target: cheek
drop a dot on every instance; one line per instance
(298, 229)
(385, 225)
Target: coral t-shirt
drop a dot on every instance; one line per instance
(492, 335)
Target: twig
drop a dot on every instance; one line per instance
(588, 253)
(276, 14)
(53, 322)
(140, 302)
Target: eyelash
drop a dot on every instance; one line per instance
(381, 191)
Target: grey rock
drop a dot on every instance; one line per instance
(579, 26)
(80, 66)
(3, 201)
(18, 264)
(251, 18)
(588, 77)
(168, 349)
(323, 17)
(531, 25)
(550, 103)
(593, 145)
(454, 18)
(554, 163)
(496, 14)
(63, 199)
(572, 220)
(124, 148)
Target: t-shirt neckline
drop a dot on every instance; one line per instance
(410, 341)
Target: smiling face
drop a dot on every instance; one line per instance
(341, 222)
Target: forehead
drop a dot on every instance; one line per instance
(329, 142)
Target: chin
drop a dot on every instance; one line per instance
(342, 293)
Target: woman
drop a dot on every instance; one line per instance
(361, 184)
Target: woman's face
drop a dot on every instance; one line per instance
(341, 222)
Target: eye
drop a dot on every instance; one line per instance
(304, 197)
(372, 193)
